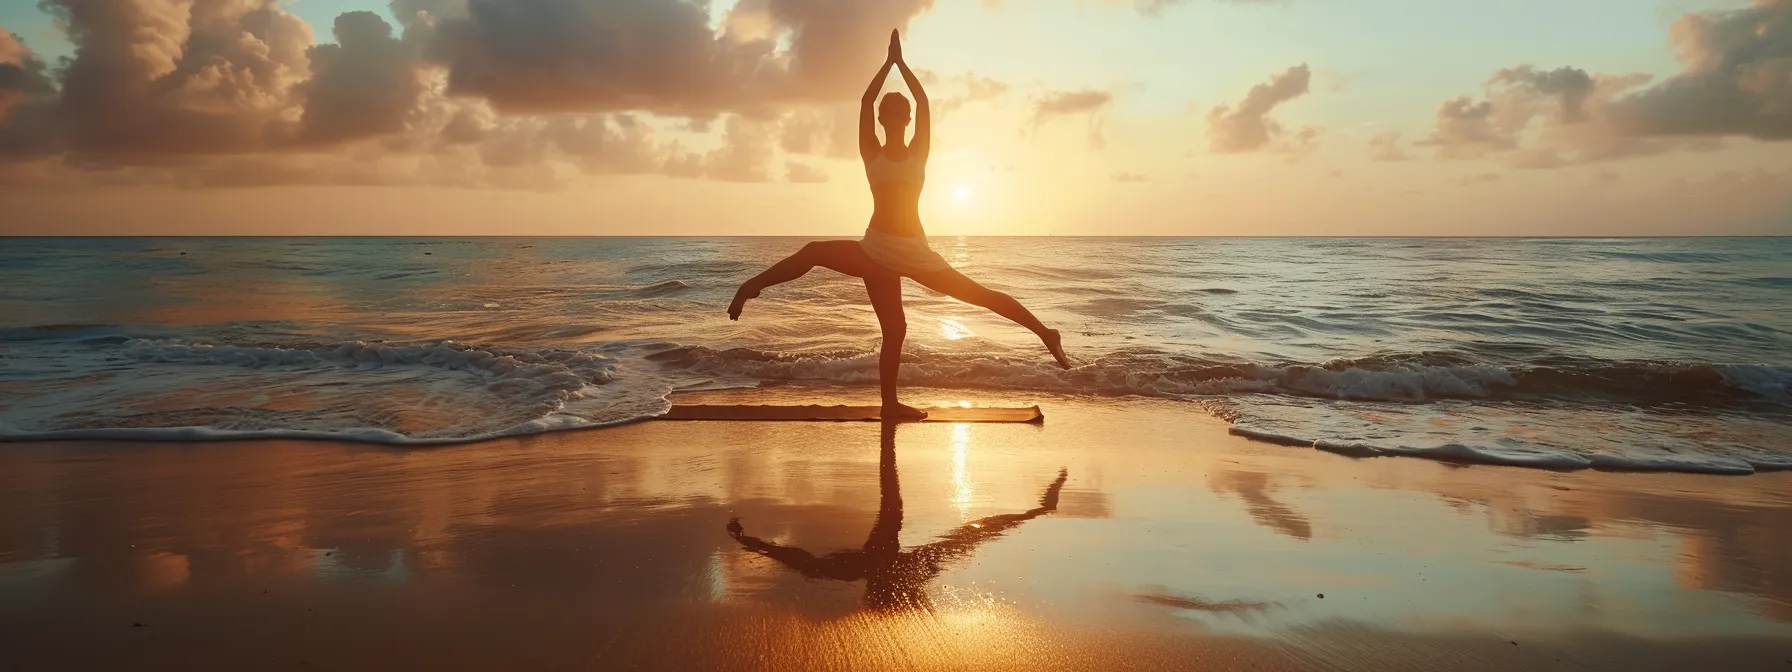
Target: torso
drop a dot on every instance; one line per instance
(896, 192)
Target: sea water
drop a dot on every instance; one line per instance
(1649, 354)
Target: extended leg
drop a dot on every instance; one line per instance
(885, 290)
(844, 256)
(954, 284)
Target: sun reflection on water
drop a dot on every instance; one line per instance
(953, 330)
(963, 490)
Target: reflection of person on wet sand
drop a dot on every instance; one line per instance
(895, 245)
(894, 578)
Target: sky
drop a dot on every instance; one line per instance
(1052, 117)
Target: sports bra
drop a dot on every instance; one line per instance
(880, 170)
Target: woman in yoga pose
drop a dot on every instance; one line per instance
(895, 245)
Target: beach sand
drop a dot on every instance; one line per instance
(1167, 544)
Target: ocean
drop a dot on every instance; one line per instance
(1670, 354)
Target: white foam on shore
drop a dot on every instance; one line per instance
(116, 384)
(1373, 380)
(1578, 437)
(122, 388)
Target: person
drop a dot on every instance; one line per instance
(895, 244)
(896, 579)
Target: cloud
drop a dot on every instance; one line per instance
(977, 89)
(1466, 130)
(26, 98)
(1062, 103)
(1249, 128)
(1123, 176)
(1091, 102)
(831, 131)
(1386, 147)
(804, 173)
(1542, 119)
(161, 77)
(661, 56)
(364, 85)
(1478, 178)
(1156, 8)
(1737, 81)
(470, 92)
(744, 155)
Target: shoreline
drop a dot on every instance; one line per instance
(1171, 544)
(801, 393)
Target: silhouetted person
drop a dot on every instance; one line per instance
(895, 245)
(894, 578)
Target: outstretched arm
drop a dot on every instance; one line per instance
(867, 119)
(802, 561)
(966, 538)
(923, 114)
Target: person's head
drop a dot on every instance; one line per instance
(893, 113)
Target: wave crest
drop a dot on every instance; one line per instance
(1411, 378)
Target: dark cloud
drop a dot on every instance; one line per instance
(1061, 103)
(170, 84)
(1249, 128)
(1091, 102)
(660, 55)
(234, 93)
(1386, 147)
(804, 173)
(1466, 130)
(805, 132)
(160, 77)
(1737, 81)
(1541, 119)
(22, 74)
(977, 89)
(744, 155)
(605, 144)
(1568, 87)
(26, 99)
(366, 84)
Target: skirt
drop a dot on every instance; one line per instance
(902, 254)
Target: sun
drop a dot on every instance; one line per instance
(961, 193)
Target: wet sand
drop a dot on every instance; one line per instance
(1122, 533)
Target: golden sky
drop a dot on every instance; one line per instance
(733, 117)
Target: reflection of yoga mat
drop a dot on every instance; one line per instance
(848, 413)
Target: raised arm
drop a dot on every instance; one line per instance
(867, 118)
(923, 140)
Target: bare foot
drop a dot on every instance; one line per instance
(901, 412)
(741, 297)
(1055, 343)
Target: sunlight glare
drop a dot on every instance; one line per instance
(963, 490)
(962, 193)
(954, 330)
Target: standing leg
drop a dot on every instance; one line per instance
(954, 284)
(885, 290)
(844, 256)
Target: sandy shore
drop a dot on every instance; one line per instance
(1167, 543)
